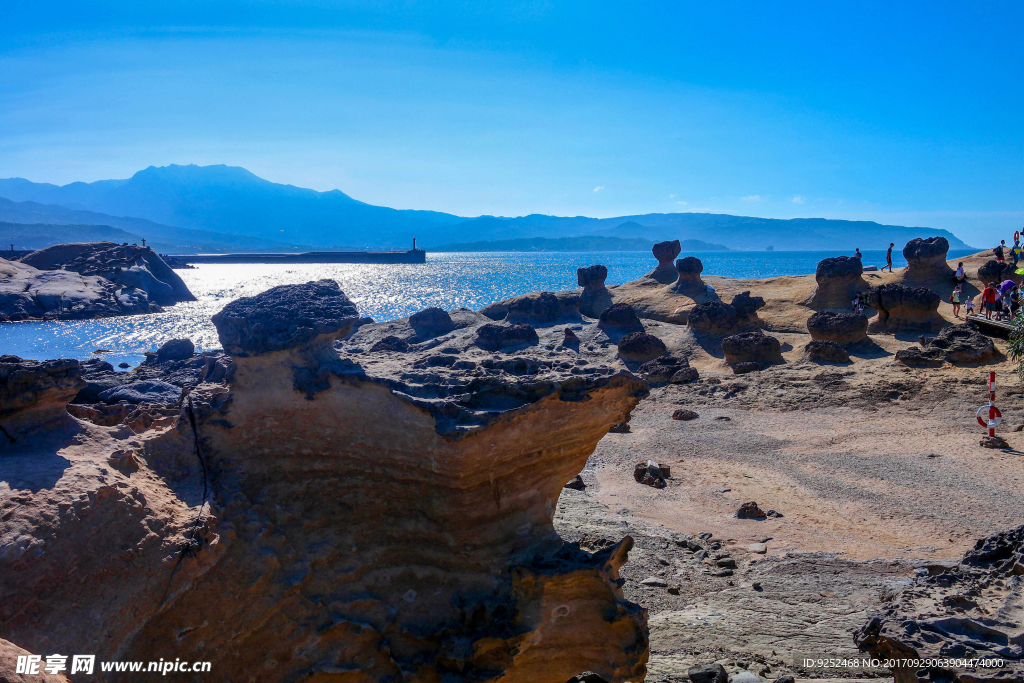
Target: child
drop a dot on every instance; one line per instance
(954, 299)
(969, 306)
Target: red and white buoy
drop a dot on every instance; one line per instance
(994, 416)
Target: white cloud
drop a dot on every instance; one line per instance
(752, 198)
(598, 188)
(671, 196)
(681, 203)
(797, 199)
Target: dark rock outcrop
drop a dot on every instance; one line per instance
(971, 611)
(666, 369)
(145, 391)
(494, 337)
(34, 395)
(993, 272)
(175, 349)
(595, 297)
(716, 317)
(620, 319)
(688, 276)
(904, 309)
(827, 351)
(665, 252)
(649, 473)
(285, 317)
(926, 259)
(744, 367)
(641, 346)
(709, 673)
(958, 344)
(841, 328)
(684, 415)
(543, 309)
(431, 322)
(576, 483)
(755, 346)
(391, 343)
(839, 279)
(750, 510)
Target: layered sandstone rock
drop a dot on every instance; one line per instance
(595, 297)
(904, 309)
(842, 328)
(543, 309)
(688, 276)
(926, 260)
(716, 317)
(839, 280)
(666, 253)
(752, 347)
(331, 512)
(33, 395)
(969, 612)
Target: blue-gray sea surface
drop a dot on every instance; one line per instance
(384, 292)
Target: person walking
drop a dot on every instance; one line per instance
(998, 251)
(988, 300)
(888, 258)
(954, 299)
(960, 275)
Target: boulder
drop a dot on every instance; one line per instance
(969, 611)
(175, 349)
(34, 395)
(826, 351)
(619, 319)
(926, 259)
(431, 322)
(745, 367)
(619, 428)
(543, 308)
(750, 511)
(667, 369)
(665, 252)
(640, 346)
(708, 673)
(839, 279)
(904, 309)
(684, 415)
(570, 338)
(148, 391)
(494, 337)
(958, 344)
(649, 473)
(285, 317)
(841, 328)
(688, 272)
(753, 346)
(576, 483)
(595, 297)
(716, 317)
(993, 272)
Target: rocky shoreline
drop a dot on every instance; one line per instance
(263, 516)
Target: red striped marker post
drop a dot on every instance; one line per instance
(994, 416)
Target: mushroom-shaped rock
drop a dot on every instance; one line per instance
(34, 395)
(641, 346)
(960, 615)
(665, 369)
(595, 297)
(688, 272)
(431, 322)
(904, 309)
(543, 308)
(716, 317)
(926, 259)
(285, 317)
(958, 344)
(494, 337)
(620, 319)
(753, 346)
(665, 252)
(826, 350)
(175, 349)
(994, 272)
(839, 279)
(842, 328)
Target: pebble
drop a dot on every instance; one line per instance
(759, 548)
(756, 585)
(674, 590)
(655, 582)
(726, 562)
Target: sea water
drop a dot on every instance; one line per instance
(381, 291)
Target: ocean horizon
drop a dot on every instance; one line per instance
(449, 280)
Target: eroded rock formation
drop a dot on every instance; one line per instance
(958, 344)
(666, 253)
(33, 395)
(842, 328)
(688, 276)
(255, 533)
(926, 259)
(827, 351)
(904, 309)
(665, 369)
(839, 280)
(969, 612)
(431, 322)
(994, 272)
(641, 346)
(595, 297)
(619, 319)
(716, 317)
(752, 347)
(543, 308)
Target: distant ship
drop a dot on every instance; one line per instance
(769, 248)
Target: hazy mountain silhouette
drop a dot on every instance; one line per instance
(231, 200)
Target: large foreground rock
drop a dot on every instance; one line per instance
(716, 317)
(752, 347)
(958, 344)
(904, 309)
(841, 328)
(839, 280)
(331, 513)
(972, 611)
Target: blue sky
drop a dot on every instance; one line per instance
(909, 113)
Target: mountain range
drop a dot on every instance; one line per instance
(213, 208)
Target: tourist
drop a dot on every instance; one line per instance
(858, 303)
(960, 275)
(1016, 249)
(969, 306)
(954, 299)
(998, 251)
(1014, 302)
(857, 254)
(988, 299)
(888, 257)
